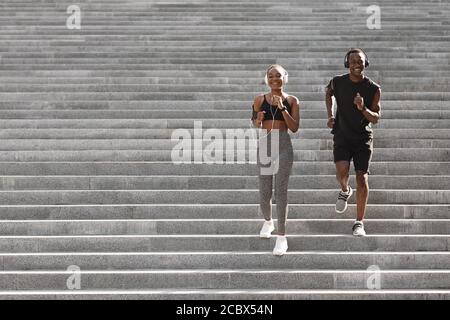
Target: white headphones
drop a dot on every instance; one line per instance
(284, 78)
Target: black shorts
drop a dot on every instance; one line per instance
(359, 151)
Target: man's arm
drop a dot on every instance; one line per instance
(374, 113)
(329, 92)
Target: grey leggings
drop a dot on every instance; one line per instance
(281, 172)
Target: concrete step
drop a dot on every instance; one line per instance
(382, 154)
(46, 197)
(215, 260)
(166, 144)
(224, 133)
(390, 29)
(229, 47)
(256, 74)
(214, 227)
(216, 67)
(215, 211)
(238, 133)
(307, 11)
(157, 88)
(183, 243)
(397, 124)
(366, 42)
(225, 279)
(197, 115)
(79, 84)
(110, 182)
(425, 155)
(216, 18)
(206, 96)
(300, 63)
(143, 168)
(223, 294)
(232, 104)
(381, 53)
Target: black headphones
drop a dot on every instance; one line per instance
(355, 50)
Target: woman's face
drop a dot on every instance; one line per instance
(275, 77)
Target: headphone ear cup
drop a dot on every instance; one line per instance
(346, 64)
(285, 78)
(266, 81)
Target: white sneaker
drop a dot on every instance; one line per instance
(281, 246)
(358, 229)
(266, 230)
(341, 203)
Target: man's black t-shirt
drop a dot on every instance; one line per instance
(350, 123)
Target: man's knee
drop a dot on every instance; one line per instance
(362, 179)
(342, 169)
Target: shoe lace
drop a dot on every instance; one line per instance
(357, 225)
(343, 196)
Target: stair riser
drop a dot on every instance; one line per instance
(242, 260)
(344, 242)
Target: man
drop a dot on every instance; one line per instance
(358, 106)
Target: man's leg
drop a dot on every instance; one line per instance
(342, 174)
(362, 193)
(342, 156)
(361, 159)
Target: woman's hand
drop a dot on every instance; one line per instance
(278, 101)
(260, 116)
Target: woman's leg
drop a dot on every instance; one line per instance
(265, 195)
(265, 180)
(282, 181)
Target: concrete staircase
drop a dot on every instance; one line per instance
(87, 180)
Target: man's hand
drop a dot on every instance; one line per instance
(359, 101)
(330, 123)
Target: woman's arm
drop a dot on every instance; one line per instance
(292, 119)
(258, 115)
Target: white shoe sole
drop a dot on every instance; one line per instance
(359, 235)
(279, 253)
(342, 210)
(266, 235)
(346, 203)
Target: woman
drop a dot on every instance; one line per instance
(276, 112)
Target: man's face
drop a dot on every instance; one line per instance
(356, 62)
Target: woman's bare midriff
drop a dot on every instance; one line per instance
(277, 124)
